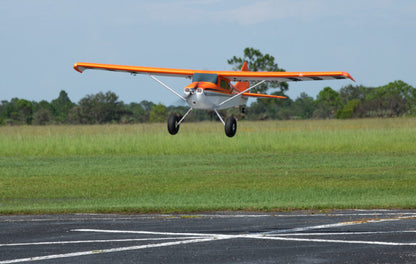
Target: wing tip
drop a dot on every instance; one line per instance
(346, 74)
(78, 68)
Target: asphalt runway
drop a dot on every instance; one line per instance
(352, 236)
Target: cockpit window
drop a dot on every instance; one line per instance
(205, 77)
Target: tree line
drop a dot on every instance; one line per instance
(353, 101)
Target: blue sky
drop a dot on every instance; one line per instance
(373, 40)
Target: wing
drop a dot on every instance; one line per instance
(82, 66)
(284, 76)
(231, 75)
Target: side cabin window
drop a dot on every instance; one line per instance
(205, 77)
(224, 84)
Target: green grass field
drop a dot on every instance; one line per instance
(273, 165)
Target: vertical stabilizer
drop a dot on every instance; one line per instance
(241, 86)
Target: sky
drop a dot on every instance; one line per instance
(373, 40)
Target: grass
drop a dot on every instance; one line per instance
(267, 166)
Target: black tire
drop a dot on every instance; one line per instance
(230, 126)
(173, 126)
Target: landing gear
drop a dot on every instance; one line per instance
(175, 120)
(173, 124)
(230, 126)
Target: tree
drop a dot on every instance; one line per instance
(42, 113)
(328, 103)
(42, 117)
(100, 108)
(25, 109)
(349, 109)
(394, 99)
(258, 62)
(136, 112)
(61, 106)
(158, 113)
(397, 97)
(267, 108)
(351, 92)
(304, 106)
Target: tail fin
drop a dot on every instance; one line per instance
(241, 86)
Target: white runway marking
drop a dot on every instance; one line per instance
(91, 252)
(348, 233)
(291, 235)
(382, 243)
(141, 232)
(92, 241)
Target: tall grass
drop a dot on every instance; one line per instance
(357, 136)
(274, 165)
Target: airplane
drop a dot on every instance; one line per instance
(213, 90)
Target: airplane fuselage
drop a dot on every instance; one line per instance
(201, 98)
(208, 91)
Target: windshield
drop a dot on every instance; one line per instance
(205, 77)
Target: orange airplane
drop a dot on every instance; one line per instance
(213, 90)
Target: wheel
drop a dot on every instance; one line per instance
(173, 126)
(230, 126)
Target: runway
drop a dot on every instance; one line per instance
(351, 236)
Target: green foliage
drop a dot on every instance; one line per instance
(100, 108)
(24, 108)
(304, 107)
(61, 106)
(139, 112)
(348, 110)
(391, 100)
(351, 92)
(42, 117)
(158, 113)
(258, 62)
(269, 109)
(328, 102)
(43, 113)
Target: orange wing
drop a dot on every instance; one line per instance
(231, 75)
(284, 76)
(82, 66)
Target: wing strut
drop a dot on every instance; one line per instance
(167, 87)
(240, 93)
